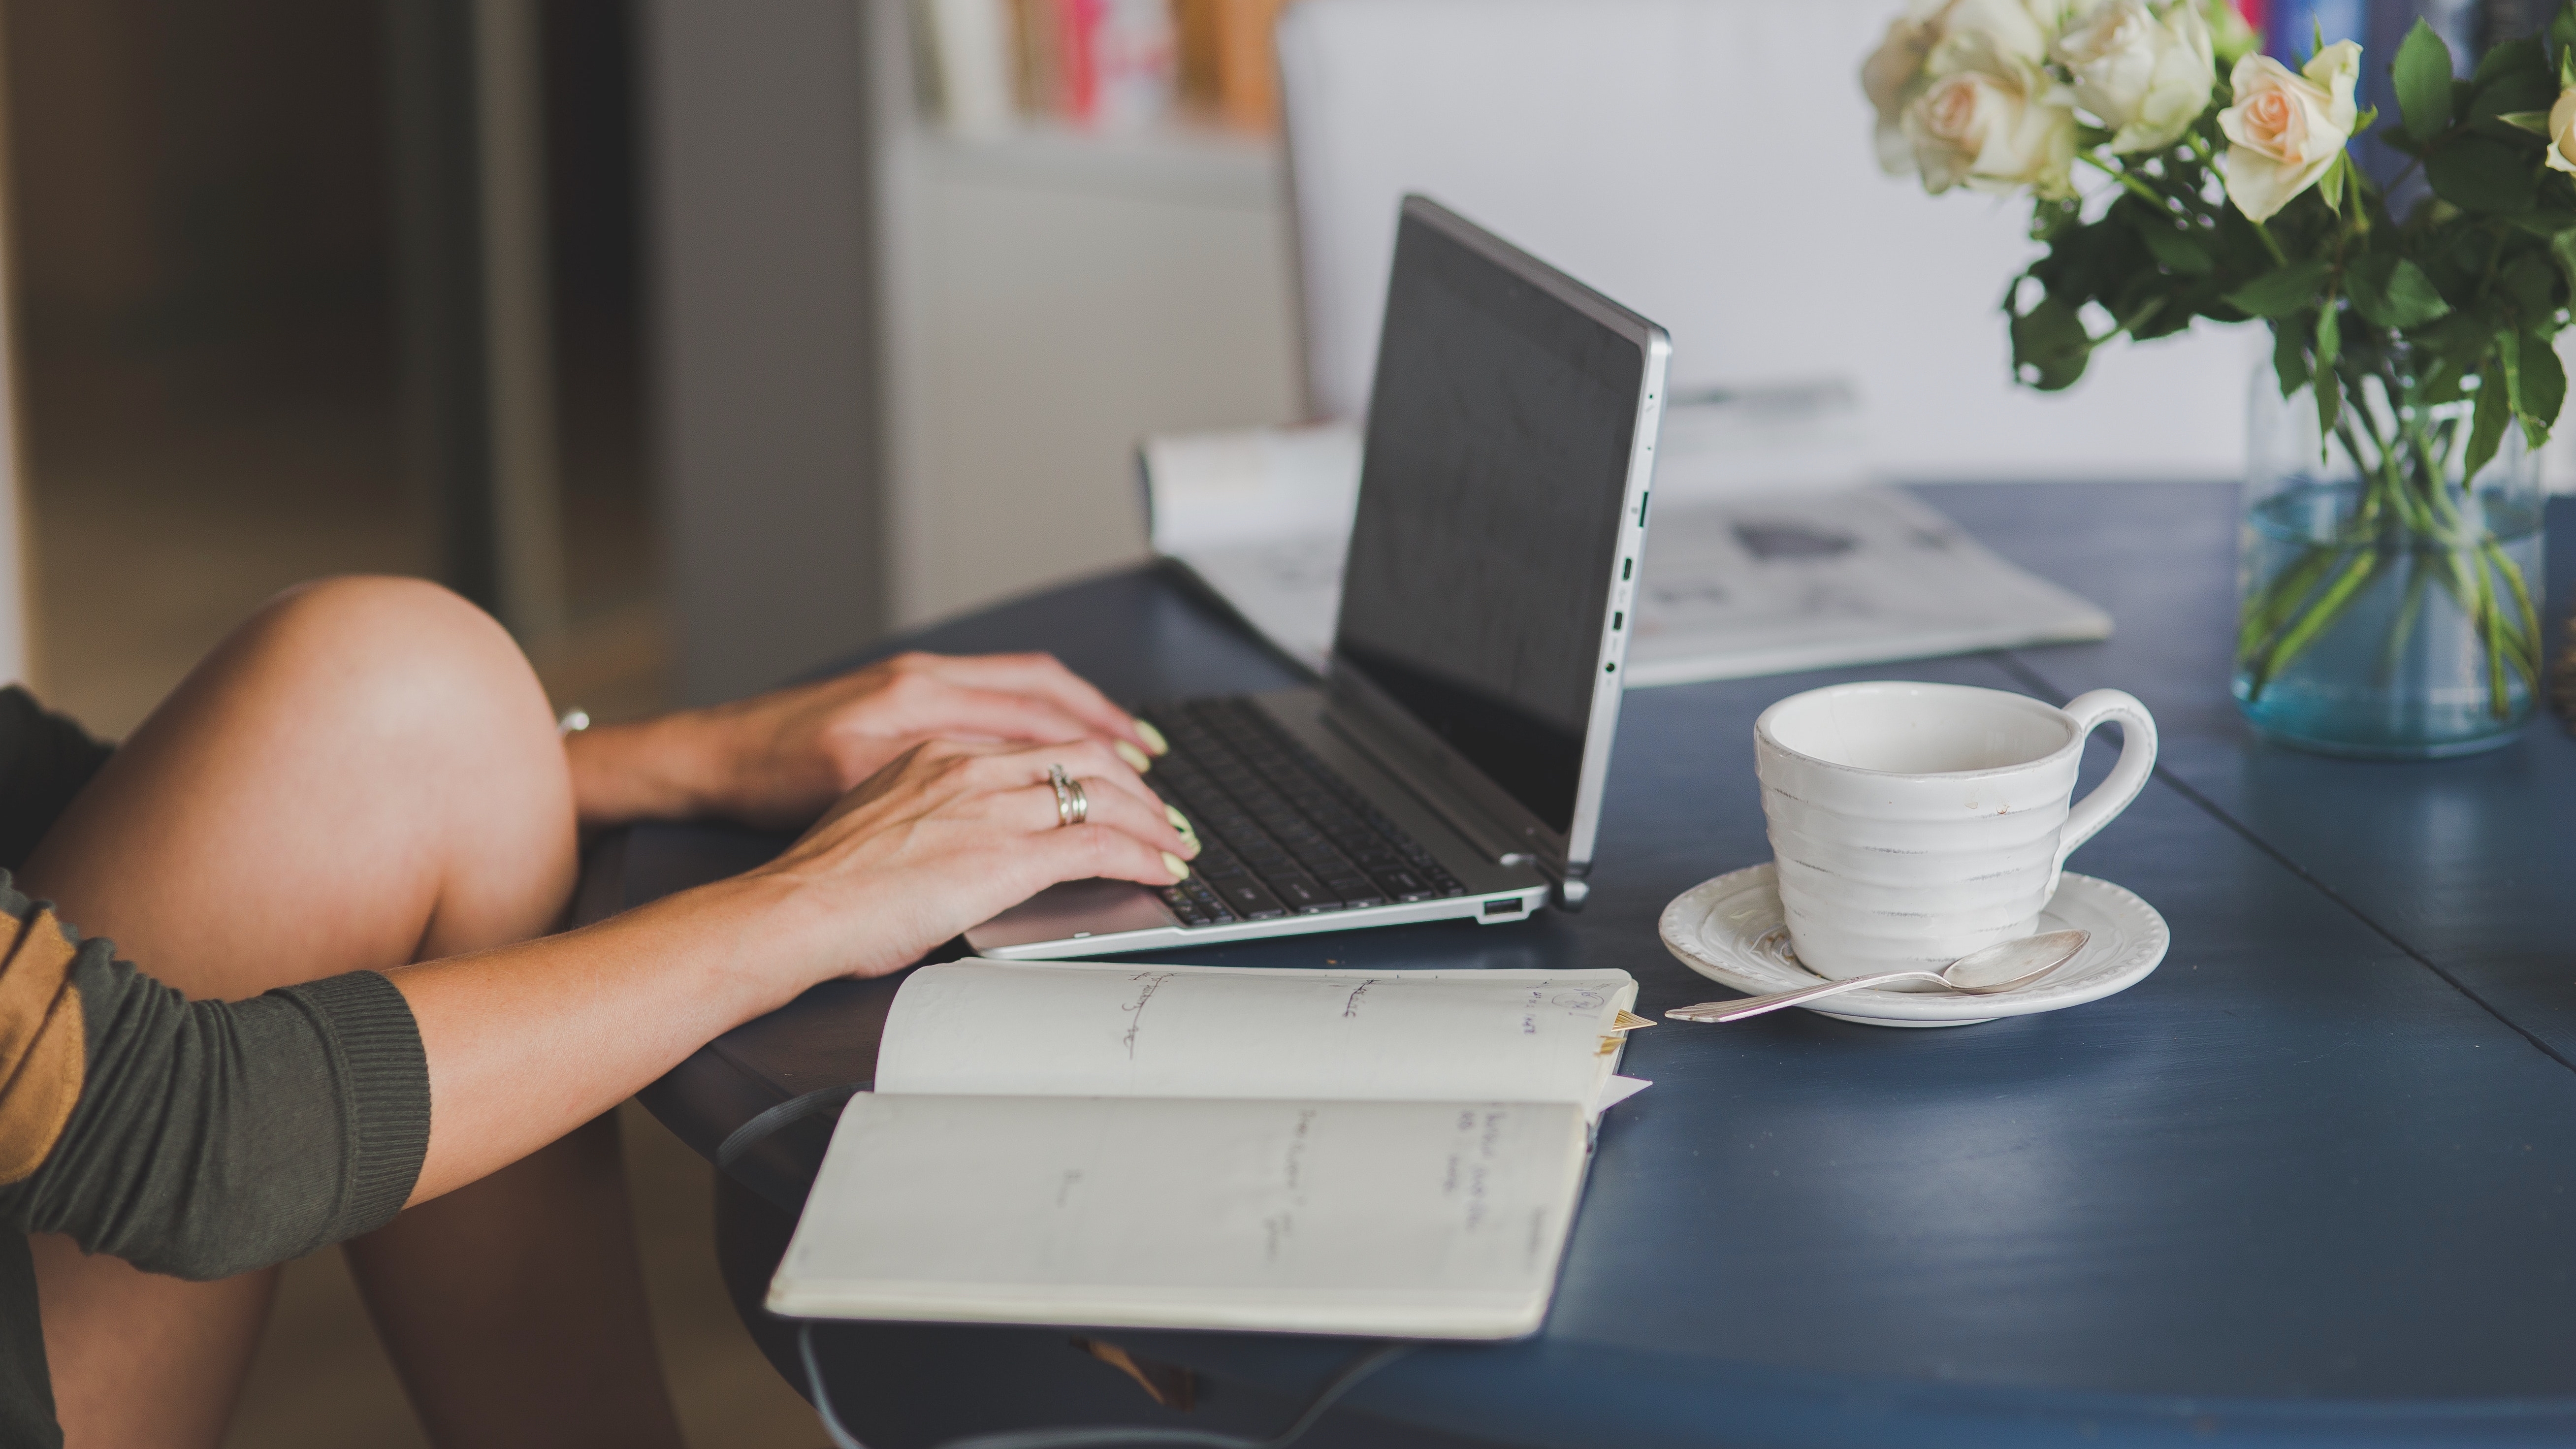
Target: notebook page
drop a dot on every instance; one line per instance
(1105, 1029)
(1405, 1218)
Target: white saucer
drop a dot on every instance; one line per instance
(1729, 930)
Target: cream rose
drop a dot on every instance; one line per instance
(2146, 75)
(1934, 38)
(2562, 132)
(1981, 34)
(1893, 75)
(2287, 126)
(1994, 128)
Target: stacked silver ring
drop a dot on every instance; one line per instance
(1072, 807)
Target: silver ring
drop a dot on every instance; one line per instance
(1072, 806)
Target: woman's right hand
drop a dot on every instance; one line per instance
(529, 1041)
(953, 833)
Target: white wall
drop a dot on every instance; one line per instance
(1709, 163)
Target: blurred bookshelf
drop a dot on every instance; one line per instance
(1084, 238)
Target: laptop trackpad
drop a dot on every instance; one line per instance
(1075, 908)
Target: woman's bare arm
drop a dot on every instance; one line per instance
(779, 758)
(529, 1041)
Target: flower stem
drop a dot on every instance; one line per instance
(2279, 257)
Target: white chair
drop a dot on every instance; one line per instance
(1709, 163)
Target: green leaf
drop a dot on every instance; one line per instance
(2283, 290)
(2329, 386)
(2562, 248)
(2536, 122)
(2545, 223)
(2423, 77)
(2289, 359)
(2518, 88)
(2486, 426)
(2542, 391)
(2050, 345)
(2532, 284)
(2522, 61)
(2562, 34)
(2476, 173)
(2393, 292)
(2173, 250)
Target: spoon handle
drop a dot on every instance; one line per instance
(1738, 1010)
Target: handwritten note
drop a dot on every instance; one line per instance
(1440, 1219)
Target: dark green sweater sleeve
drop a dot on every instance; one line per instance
(197, 1138)
(45, 759)
(205, 1138)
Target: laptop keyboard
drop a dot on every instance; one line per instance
(1282, 834)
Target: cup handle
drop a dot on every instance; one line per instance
(2091, 710)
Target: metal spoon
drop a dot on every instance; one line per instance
(2004, 966)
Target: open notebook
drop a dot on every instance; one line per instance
(1200, 1147)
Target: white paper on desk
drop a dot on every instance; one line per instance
(1764, 555)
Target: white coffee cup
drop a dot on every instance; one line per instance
(1914, 823)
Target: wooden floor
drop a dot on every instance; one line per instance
(154, 539)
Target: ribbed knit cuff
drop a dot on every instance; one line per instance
(377, 1046)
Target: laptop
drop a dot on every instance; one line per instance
(1451, 762)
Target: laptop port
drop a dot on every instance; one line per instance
(1510, 907)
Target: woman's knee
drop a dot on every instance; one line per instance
(389, 658)
(370, 759)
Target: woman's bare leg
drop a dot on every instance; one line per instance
(364, 775)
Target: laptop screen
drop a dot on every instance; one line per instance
(1495, 462)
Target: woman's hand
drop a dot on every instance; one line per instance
(778, 759)
(529, 1041)
(952, 833)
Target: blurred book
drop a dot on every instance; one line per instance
(968, 75)
(1765, 555)
(1094, 64)
(1229, 70)
(1106, 65)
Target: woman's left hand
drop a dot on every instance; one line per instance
(779, 759)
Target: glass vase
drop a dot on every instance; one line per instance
(2387, 606)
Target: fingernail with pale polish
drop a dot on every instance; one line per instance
(1179, 868)
(1180, 822)
(1134, 757)
(1153, 738)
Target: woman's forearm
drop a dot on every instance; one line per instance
(530, 1041)
(668, 768)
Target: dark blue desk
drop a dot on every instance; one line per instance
(2314, 1181)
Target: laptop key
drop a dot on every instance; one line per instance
(1355, 891)
(1304, 893)
(1404, 885)
(1248, 898)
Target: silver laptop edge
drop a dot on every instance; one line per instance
(1502, 851)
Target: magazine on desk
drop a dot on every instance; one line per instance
(1397, 1154)
(1763, 555)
